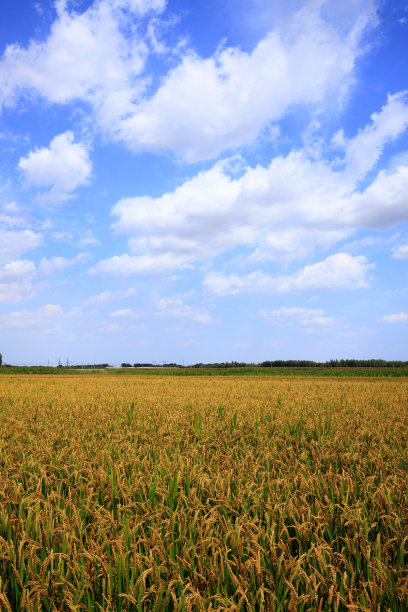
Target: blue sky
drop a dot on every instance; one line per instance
(203, 181)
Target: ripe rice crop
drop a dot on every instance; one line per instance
(181, 493)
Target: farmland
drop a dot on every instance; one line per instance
(196, 493)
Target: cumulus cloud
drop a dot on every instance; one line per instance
(400, 317)
(64, 166)
(214, 211)
(297, 316)
(85, 57)
(337, 272)
(203, 105)
(287, 210)
(401, 252)
(207, 105)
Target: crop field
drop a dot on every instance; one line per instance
(203, 493)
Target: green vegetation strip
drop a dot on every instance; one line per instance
(334, 372)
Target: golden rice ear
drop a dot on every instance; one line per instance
(161, 492)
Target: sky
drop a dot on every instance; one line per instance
(188, 181)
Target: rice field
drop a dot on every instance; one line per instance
(203, 493)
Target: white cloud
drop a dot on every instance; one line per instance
(13, 244)
(126, 313)
(155, 37)
(12, 220)
(64, 166)
(12, 216)
(85, 57)
(140, 6)
(51, 309)
(214, 212)
(401, 252)
(337, 272)
(363, 243)
(47, 267)
(12, 293)
(110, 328)
(105, 297)
(285, 211)
(400, 317)
(21, 278)
(125, 265)
(174, 308)
(48, 316)
(11, 207)
(16, 281)
(15, 270)
(63, 236)
(203, 105)
(88, 240)
(168, 308)
(340, 271)
(300, 316)
(288, 244)
(364, 150)
(382, 204)
(97, 57)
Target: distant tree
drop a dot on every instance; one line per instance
(1, 360)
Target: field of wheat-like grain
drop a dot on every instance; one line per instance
(171, 493)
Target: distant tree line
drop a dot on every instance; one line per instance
(305, 363)
(283, 363)
(224, 364)
(334, 363)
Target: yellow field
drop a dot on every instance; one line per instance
(175, 493)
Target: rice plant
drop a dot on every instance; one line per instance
(209, 493)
